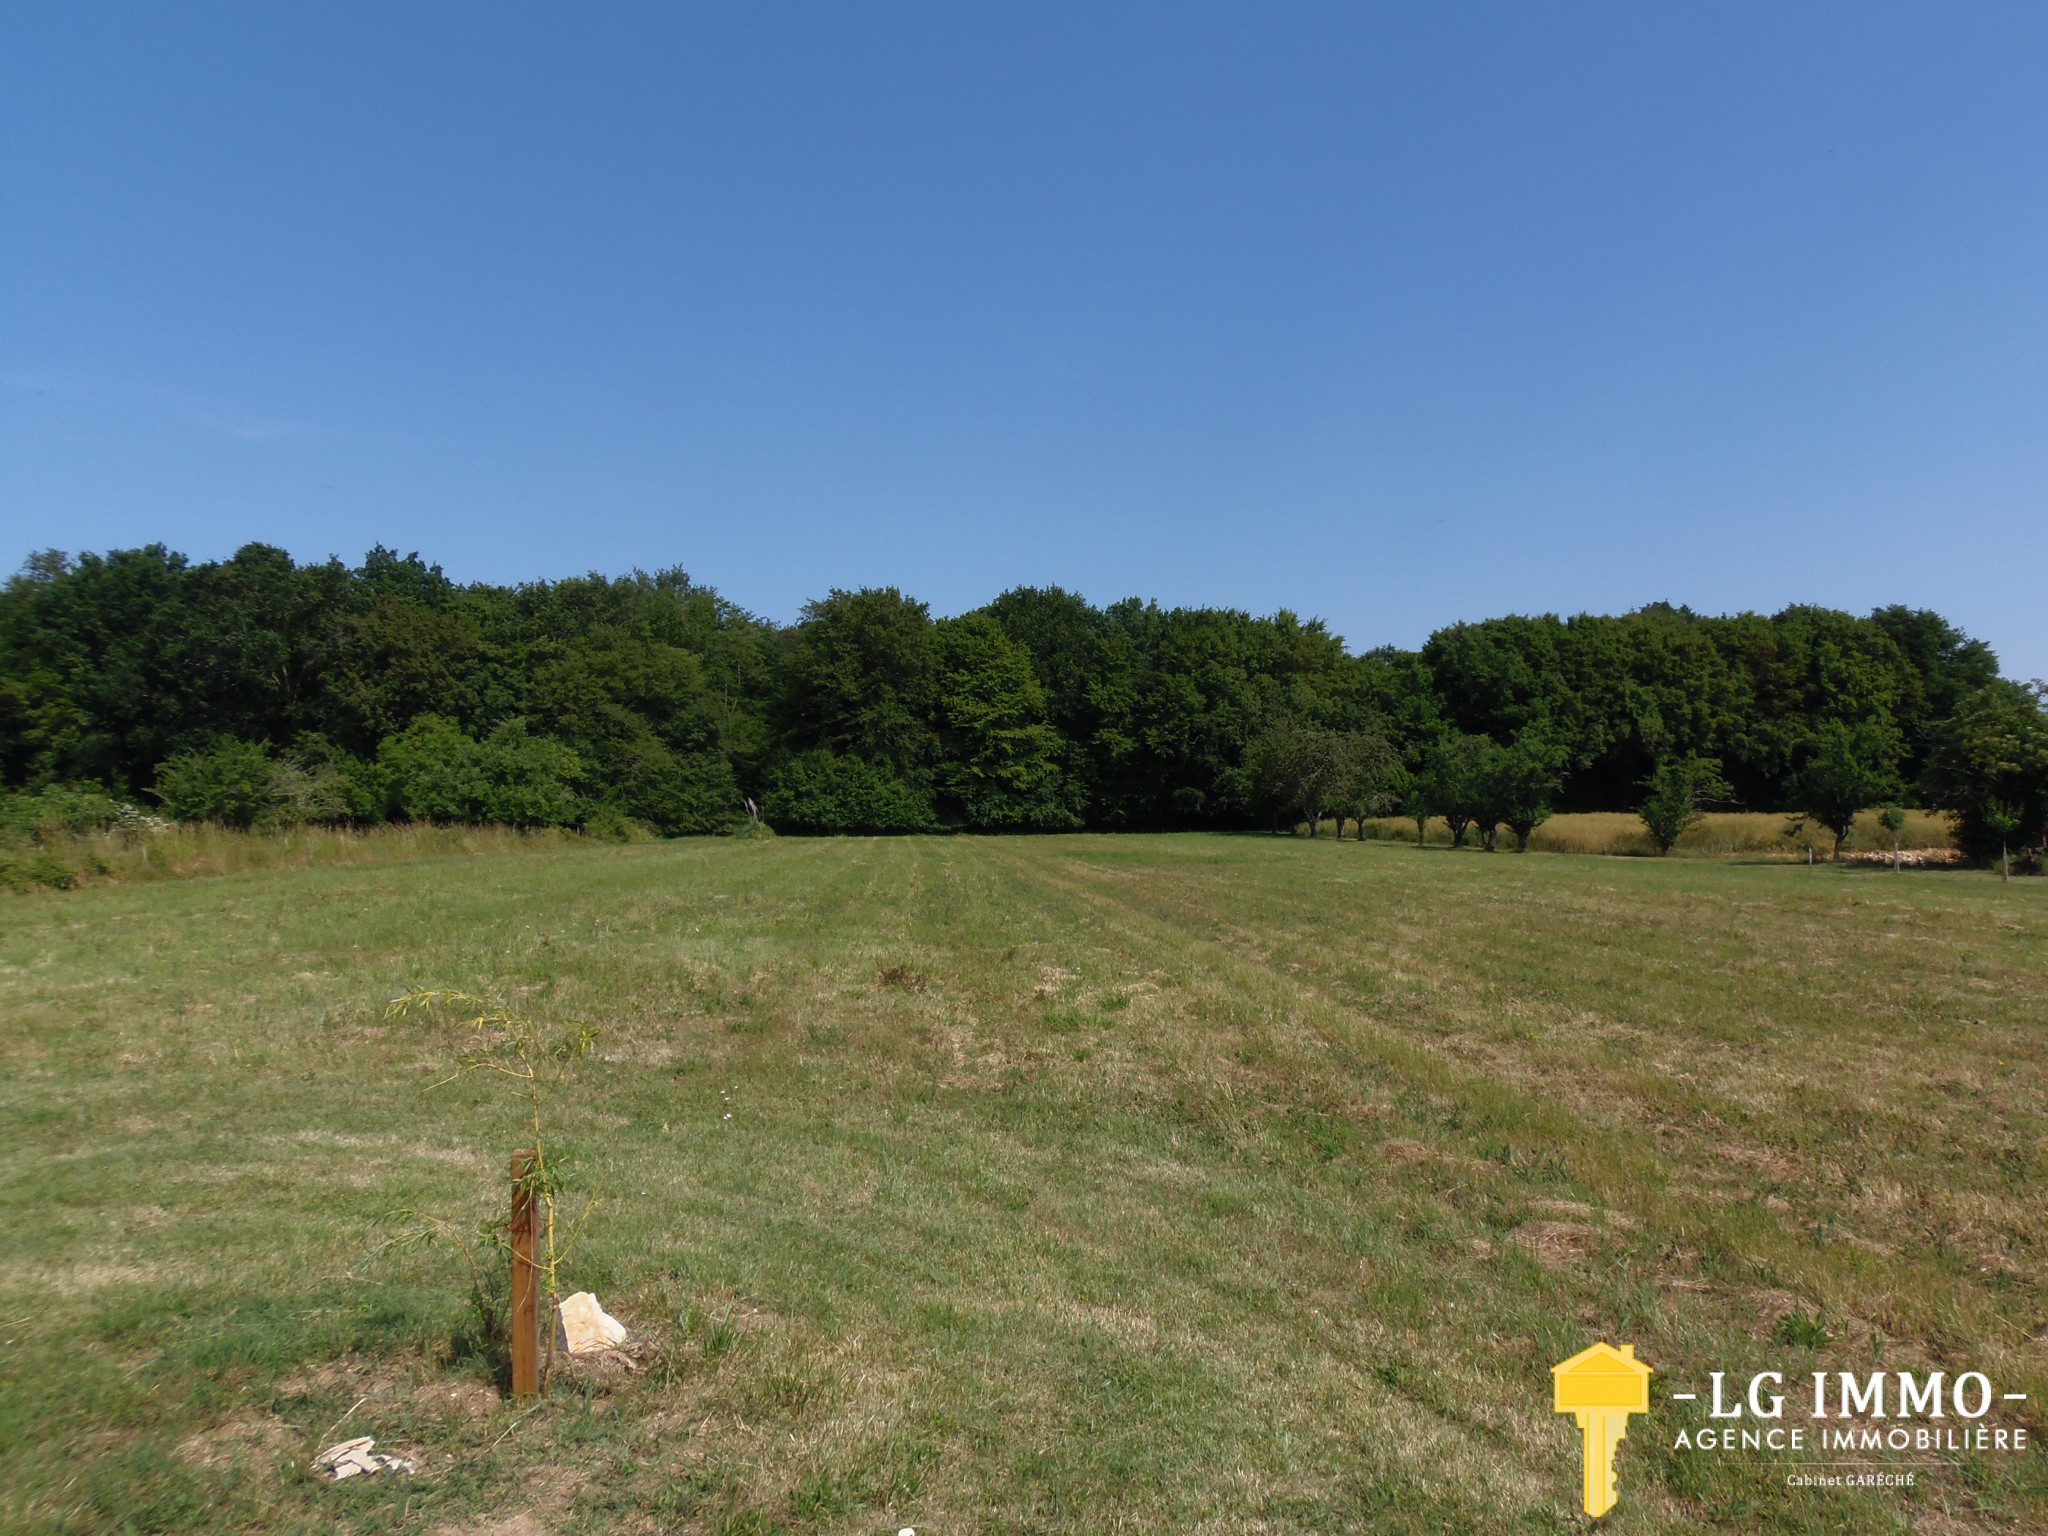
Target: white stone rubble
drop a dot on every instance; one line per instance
(354, 1458)
(582, 1327)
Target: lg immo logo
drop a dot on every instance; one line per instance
(1852, 1435)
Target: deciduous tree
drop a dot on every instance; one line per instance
(1521, 782)
(1000, 760)
(1989, 769)
(1374, 781)
(1676, 797)
(1452, 780)
(1847, 769)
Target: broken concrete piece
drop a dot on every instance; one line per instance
(344, 1451)
(354, 1458)
(582, 1327)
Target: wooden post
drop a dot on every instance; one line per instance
(525, 1281)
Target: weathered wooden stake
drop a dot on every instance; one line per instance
(525, 1281)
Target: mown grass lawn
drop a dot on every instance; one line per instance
(1059, 1184)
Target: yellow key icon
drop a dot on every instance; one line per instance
(1601, 1387)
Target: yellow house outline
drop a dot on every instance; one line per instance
(1601, 1377)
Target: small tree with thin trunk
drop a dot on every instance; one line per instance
(1676, 796)
(1518, 784)
(2001, 821)
(1893, 819)
(1848, 769)
(1373, 781)
(512, 1049)
(1415, 802)
(1452, 782)
(1302, 770)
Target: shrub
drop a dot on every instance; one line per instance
(230, 784)
(608, 824)
(528, 780)
(72, 808)
(28, 868)
(433, 771)
(318, 796)
(823, 792)
(319, 785)
(436, 771)
(241, 784)
(675, 792)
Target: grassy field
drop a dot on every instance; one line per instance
(61, 860)
(1192, 1184)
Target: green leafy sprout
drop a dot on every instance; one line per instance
(515, 1049)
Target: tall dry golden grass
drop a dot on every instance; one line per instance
(197, 849)
(1755, 834)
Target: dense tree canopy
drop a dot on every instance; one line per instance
(257, 689)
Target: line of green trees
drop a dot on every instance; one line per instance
(257, 691)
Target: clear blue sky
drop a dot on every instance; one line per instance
(1394, 315)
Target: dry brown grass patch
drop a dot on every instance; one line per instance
(1558, 1245)
(243, 1439)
